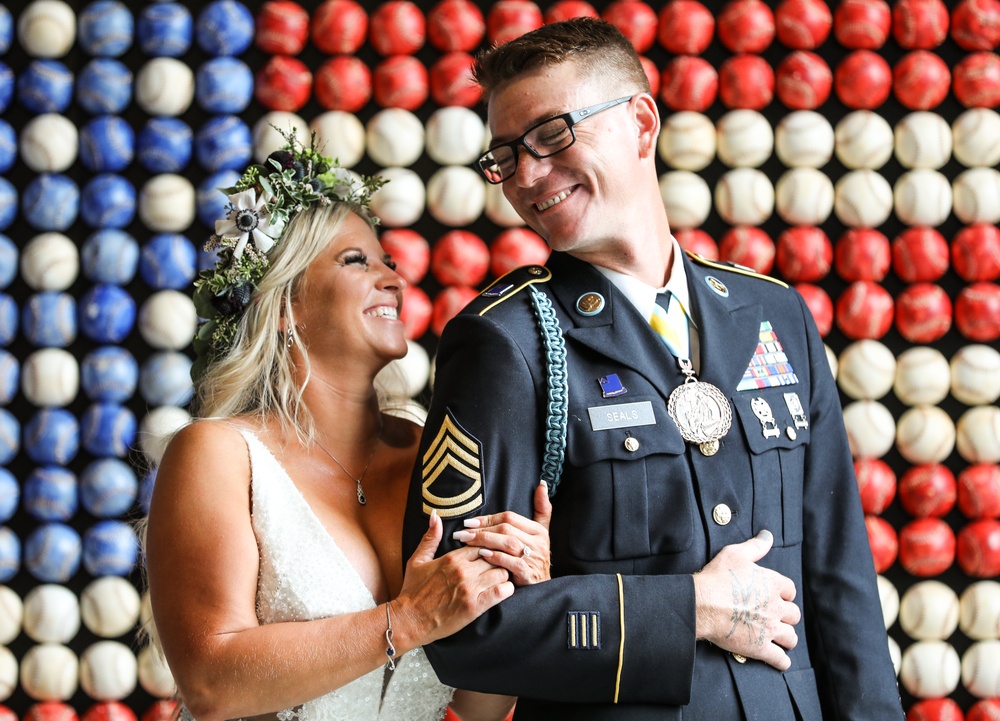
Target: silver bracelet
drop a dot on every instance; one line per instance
(390, 650)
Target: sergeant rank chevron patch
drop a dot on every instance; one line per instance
(452, 465)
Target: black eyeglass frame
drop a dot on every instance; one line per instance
(572, 118)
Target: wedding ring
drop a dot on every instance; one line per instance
(526, 553)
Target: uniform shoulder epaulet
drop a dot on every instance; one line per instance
(731, 267)
(510, 284)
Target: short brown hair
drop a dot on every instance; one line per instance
(598, 47)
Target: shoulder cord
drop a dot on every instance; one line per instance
(557, 381)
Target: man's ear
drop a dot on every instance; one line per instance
(647, 120)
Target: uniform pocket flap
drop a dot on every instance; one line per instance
(622, 431)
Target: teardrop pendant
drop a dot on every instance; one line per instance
(361, 495)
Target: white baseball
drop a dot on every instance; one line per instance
(406, 376)
(455, 136)
(930, 669)
(8, 673)
(976, 137)
(47, 28)
(687, 198)
(866, 370)
(400, 202)
(49, 672)
(687, 140)
(925, 434)
(871, 429)
(157, 428)
(923, 140)
(164, 86)
(804, 196)
(50, 377)
(745, 139)
(50, 261)
(108, 671)
(395, 137)
(456, 195)
(922, 197)
(744, 196)
(978, 435)
(167, 203)
(109, 606)
(895, 655)
(863, 140)
(49, 143)
(979, 608)
(862, 199)
(406, 408)
(339, 135)
(499, 210)
(11, 615)
(51, 614)
(922, 376)
(888, 597)
(929, 611)
(831, 359)
(975, 374)
(804, 139)
(154, 674)
(981, 669)
(267, 133)
(168, 320)
(976, 194)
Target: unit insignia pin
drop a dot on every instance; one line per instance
(590, 304)
(717, 285)
(611, 386)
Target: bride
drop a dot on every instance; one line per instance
(273, 544)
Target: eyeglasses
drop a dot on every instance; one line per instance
(543, 140)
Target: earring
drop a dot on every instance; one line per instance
(289, 340)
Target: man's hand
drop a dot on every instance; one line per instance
(744, 608)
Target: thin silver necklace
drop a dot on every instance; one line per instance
(361, 493)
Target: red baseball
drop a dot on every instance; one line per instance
(6, 714)
(746, 26)
(416, 312)
(919, 24)
(919, 255)
(636, 21)
(976, 80)
(652, 75)
(804, 253)
(862, 24)
(455, 25)
(986, 710)
(975, 252)
(451, 81)
(697, 241)
(448, 303)
(803, 80)
(803, 24)
(923, 313)
(883, 542)
(397, 27)
(284, 83)
(979, 548)
(748, 246)
(820, 306)
(876, 484)
(935, 709)
(928, 490)
(569, 9)
(410, 251)
(862, 254)
(400, 82)
(979, 491)
(926, 547)
(509, 19)
(862, 80)
(864, 310)
(50, 711)
(460, 258)
(162, 710)
(515, 247)
(975, 24)
(920, 80)
(343, 83)
(686, 27)
(109, 711)
(746, 81)
(977, 312)
(339, 27)
(282, 27)
(689, 83)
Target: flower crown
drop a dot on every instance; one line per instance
(261, 204)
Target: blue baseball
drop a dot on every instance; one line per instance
(224, 143)
(6, 86)
(211, 201)
(104, 87)
(109, 373)
(10, 436)
(107, 313)
(8, 146)
(107, 430)
(108, 201)
(165, 379)
(45, 86)
(10, 495)
(165, 145)
(110, 256)
(8, 203)
(52, 436)
(107, 144)
(224, 85)
(10, 554)
(224, 27)
(10, 377)
(105, 28)
(51, 202)
(8, 319)
(168, 260)
(6, 29)
(146, 484)
(50, 494)
(48, 319)
(52, 553)
(164, 29)
(108, 487)
(110, 548)
(8, 261)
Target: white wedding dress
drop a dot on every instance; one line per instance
(304, 575)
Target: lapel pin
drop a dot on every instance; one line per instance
(590, 304)
(717, 285)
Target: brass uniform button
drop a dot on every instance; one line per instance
(590, 304)
(709, 448)
(740, 658)
(722, 514)
(536, 270)
(631, 445)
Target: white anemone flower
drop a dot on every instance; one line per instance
(247, 220)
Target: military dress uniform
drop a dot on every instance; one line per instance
(637, 510)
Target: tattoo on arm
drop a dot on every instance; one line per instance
(750, 600)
